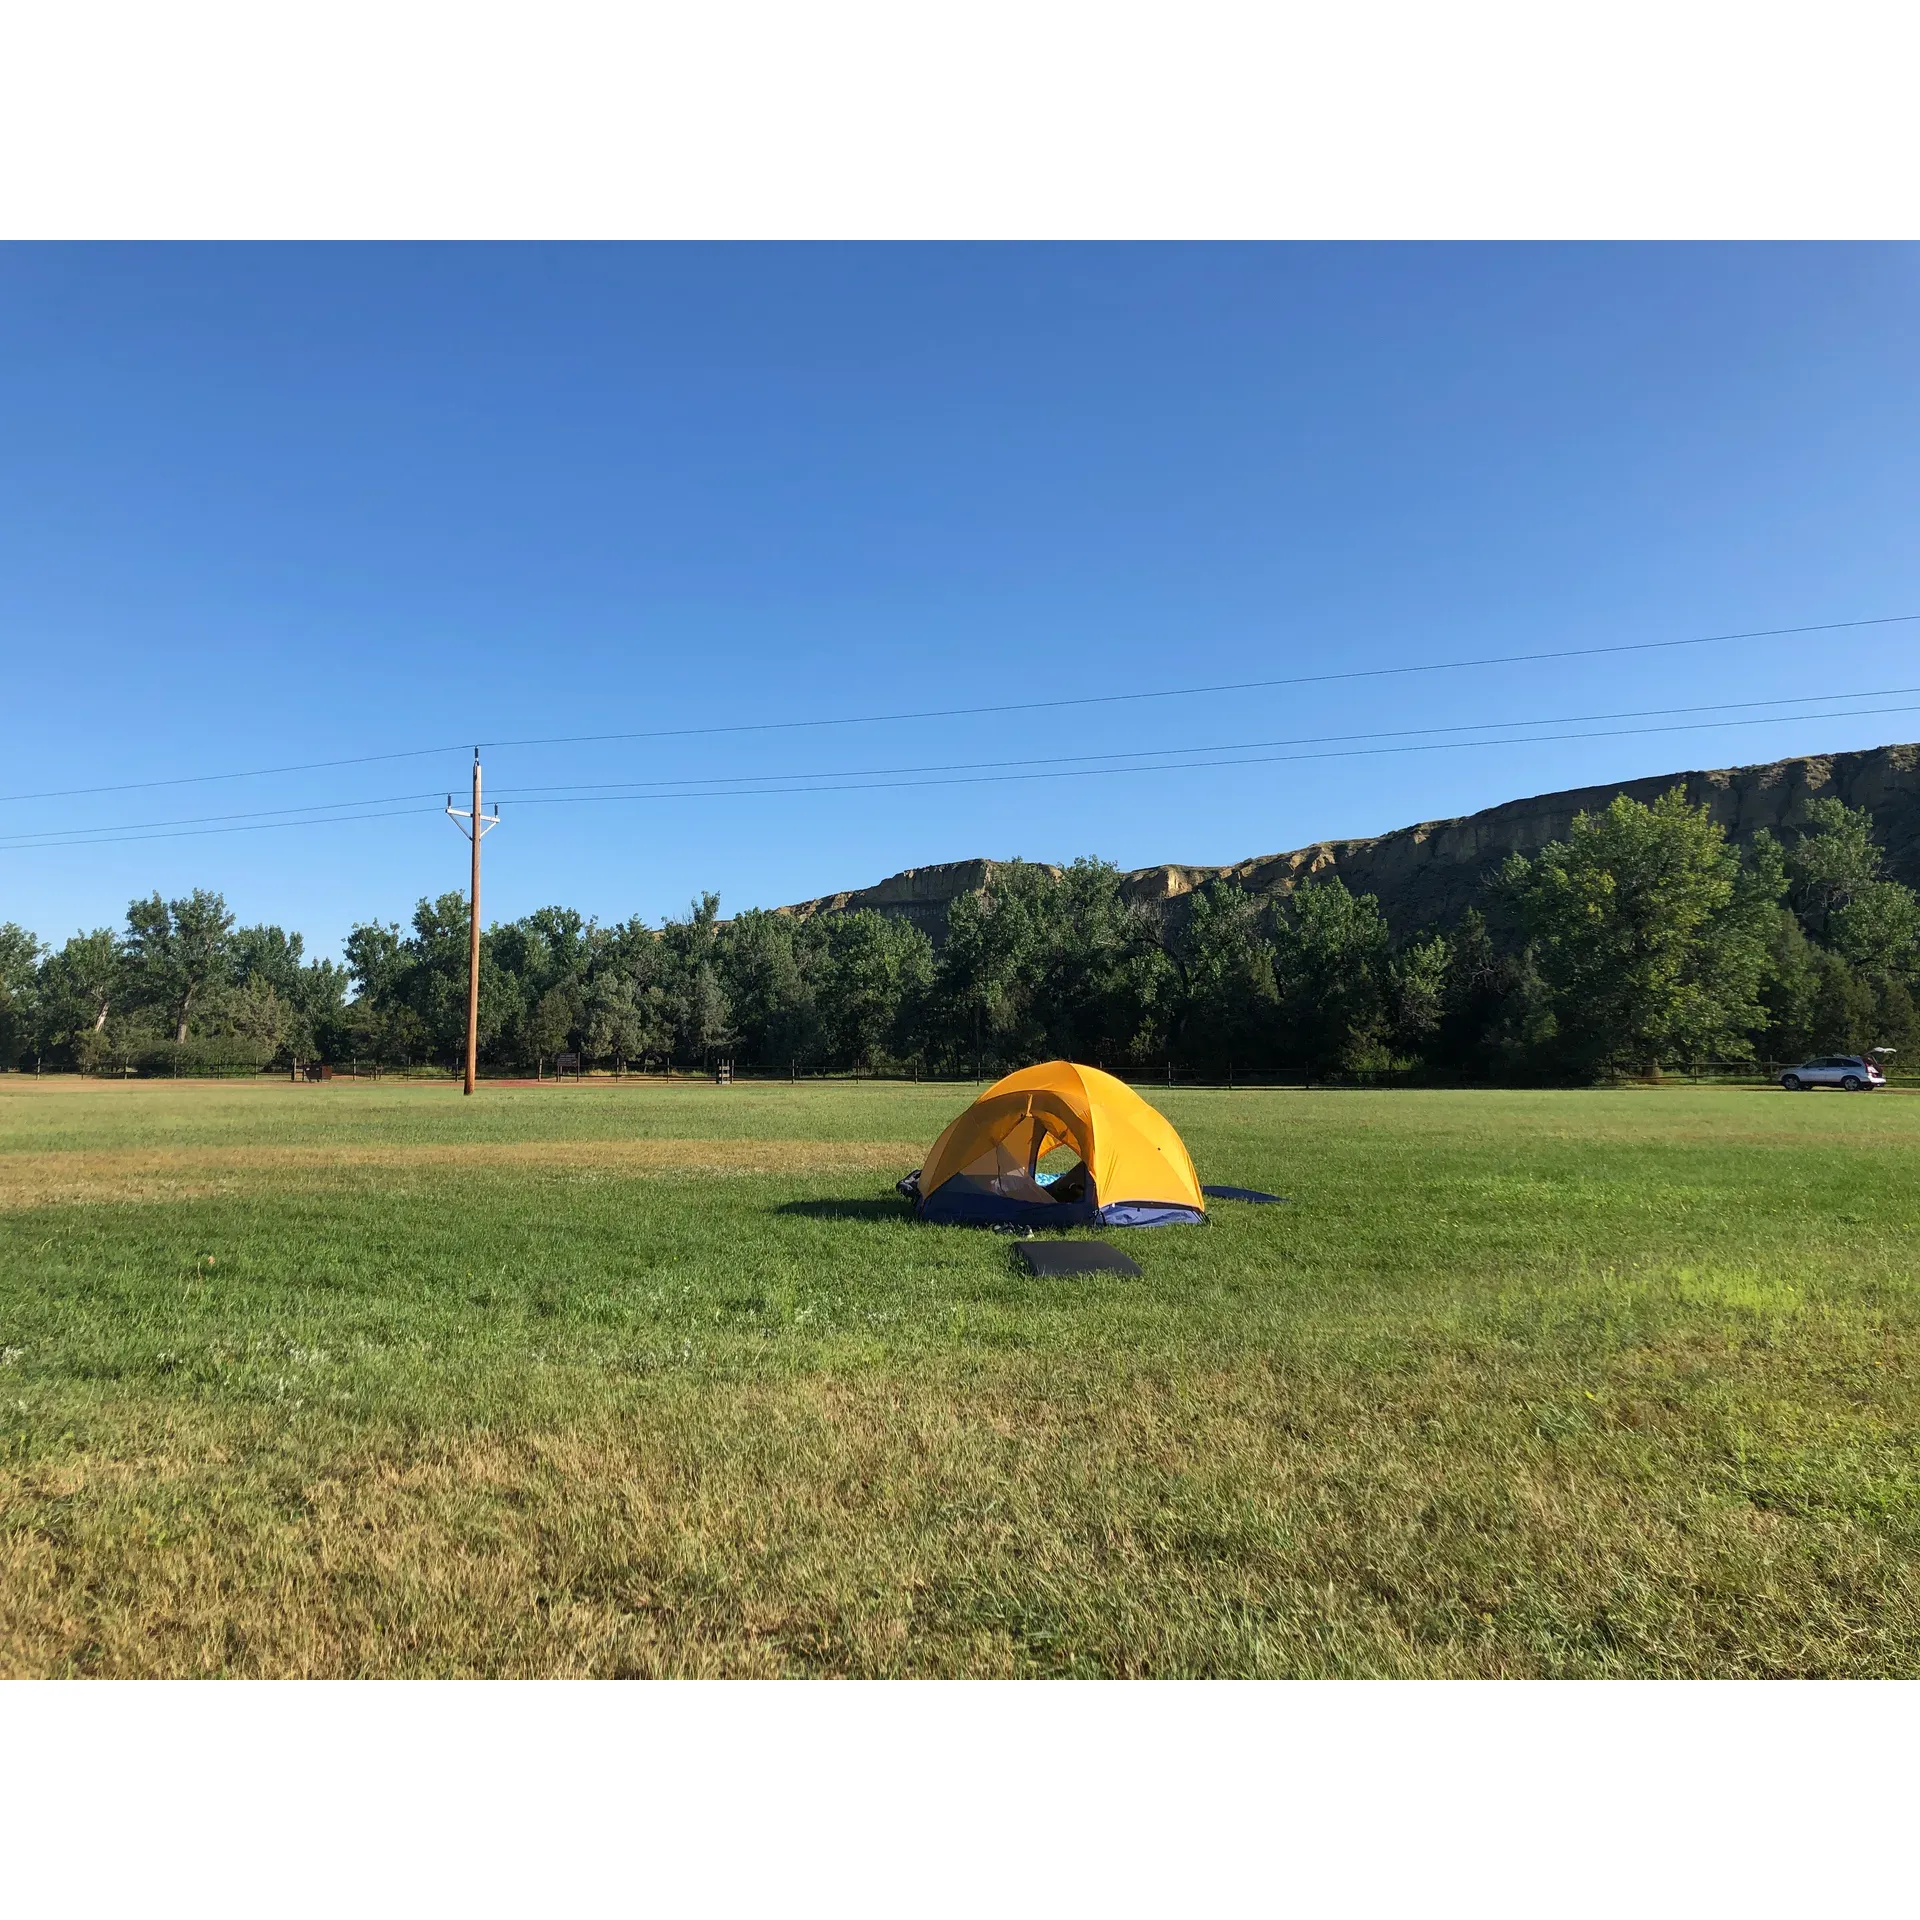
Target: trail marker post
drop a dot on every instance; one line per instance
(476, 829)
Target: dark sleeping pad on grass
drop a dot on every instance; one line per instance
(1054, 1259)
(1245, 1193)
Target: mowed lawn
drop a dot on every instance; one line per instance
(357, 1380)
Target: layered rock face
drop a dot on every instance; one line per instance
(1429, 875)
(921, 894)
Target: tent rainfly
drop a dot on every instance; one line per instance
(1133, 1169)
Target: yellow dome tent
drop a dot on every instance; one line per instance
(1133, 1170)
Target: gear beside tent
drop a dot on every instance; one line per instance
(1133, 1169)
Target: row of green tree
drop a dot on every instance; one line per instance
(1645, 937)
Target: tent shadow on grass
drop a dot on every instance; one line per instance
(887, 1209)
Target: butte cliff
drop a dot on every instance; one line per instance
(1429, 875)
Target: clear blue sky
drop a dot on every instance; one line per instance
(262, 505)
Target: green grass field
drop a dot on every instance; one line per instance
(369, 1380)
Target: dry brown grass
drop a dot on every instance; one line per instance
(982, 1523)
(152, 1174)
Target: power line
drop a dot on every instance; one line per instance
(745, 783)
(957, 713)
(1054, 773)
(79, 836)
(1233, 686)
(1261, 760)
(25, 845)
(530, 796)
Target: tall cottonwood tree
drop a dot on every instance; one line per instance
(1846, 955)
(1651, 935)
(879, 970)
(20, 957)
(1333, 962)
(78, 989)
(178, 953)
(1229, 993)
(985, 1007)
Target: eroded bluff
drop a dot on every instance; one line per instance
(1429, 875)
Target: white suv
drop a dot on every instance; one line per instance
(1853, 1071)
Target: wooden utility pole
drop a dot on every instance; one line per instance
(476, 830)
